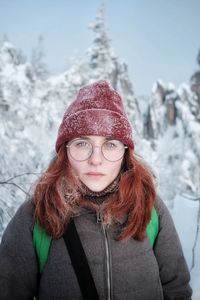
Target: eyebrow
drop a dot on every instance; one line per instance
(84, 137)
(87, 138)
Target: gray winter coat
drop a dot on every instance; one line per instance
(128, 270)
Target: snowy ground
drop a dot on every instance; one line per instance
(185, 214)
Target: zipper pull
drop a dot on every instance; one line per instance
(99, 217)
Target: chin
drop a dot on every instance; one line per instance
(96, 187)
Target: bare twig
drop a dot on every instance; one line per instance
(16, 176)
(9, 181)
(18, 186)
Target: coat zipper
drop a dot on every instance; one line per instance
(108, 257)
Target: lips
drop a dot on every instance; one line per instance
(94, 174)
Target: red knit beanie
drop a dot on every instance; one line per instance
(97, 110)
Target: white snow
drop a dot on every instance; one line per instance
(185, 215)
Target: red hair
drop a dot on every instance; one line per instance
(134, 199)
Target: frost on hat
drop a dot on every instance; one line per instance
(97, 110)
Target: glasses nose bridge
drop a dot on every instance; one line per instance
(96, 154)
(96, 146)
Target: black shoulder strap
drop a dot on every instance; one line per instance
(80, 263)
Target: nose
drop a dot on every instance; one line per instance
(96, 156)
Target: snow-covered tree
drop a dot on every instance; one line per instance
(37, 59)
(195, 80)
(198, 58)
(103, 63)
(101, 56)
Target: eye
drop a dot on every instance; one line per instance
(111, 145)
(81, 144)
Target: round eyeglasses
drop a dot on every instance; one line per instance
(82, 149)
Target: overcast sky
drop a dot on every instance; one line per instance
(156, 38)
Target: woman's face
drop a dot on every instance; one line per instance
(96, 172)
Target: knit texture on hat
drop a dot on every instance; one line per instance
(97, 110)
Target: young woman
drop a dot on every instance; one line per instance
(96, 181)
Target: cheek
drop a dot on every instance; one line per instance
(75, 166)
(116, 169)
